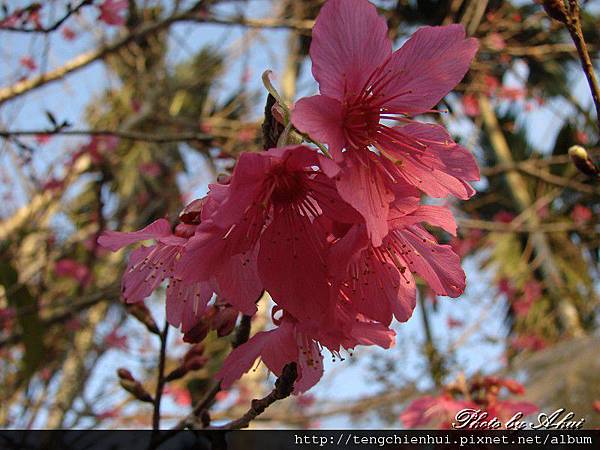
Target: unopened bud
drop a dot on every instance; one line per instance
(198, 333)
(194, 359)
(195, 350)
(224, 321)
(583, 162)
(133, 386)
(195, 363)
(192, 212)
(141, 312)
(176, 374)
(124, 374)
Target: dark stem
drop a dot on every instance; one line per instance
(54, 26)
(284, 386)
(127, 135)
(434, 359)
(160, 384)
(241, 336)
(574, 27)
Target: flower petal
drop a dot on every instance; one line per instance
(241, 359)
(349, 41)
(239, 284)
(372, 333)
(114, 240)
(310, 368)
(291, 265)
(438, 216)
(148, 268)
(426, 157)
(281, 348)
(364, 187)
(187, 302)
(321, 118)
(436, 263)
(430, 64)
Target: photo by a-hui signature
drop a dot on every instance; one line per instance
(470, 419)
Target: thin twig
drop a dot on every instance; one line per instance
(241, 336)
(85, 59)
(54, 26)
(574, 27)
(284, 386)
(500, 227)
(128, 135)
(160, 383)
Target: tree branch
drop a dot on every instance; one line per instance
(574, 27)
(160, 383)
(55, 25)
(85, 59)
(128, 135)
(284, 386)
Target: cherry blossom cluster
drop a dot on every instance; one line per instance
(483, 398)
(333, 235)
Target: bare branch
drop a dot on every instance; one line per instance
(128, 135)
(283, 388)
(55, 25)
(85, 59)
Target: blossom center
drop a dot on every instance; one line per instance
(361, 121)
(287, 186)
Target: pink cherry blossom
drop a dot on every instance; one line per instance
(68, 34)
(149, 266)
(430, 411)
(292, 342)
(378, 280)
(116, 340)
(532, 291)
(181, 396)
(42, 139)
(266, 221)
(29, 63)
(581, 214)
(362, 85)
(530, 342)
(69, 268)
(112, 12)
(470, 105)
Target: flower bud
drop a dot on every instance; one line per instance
(141, 312)
(194, 359)
(124, 374)
(133, 386)
(224, 321)
(197, 333)
(191, 213)
(176, 374)
(195, 363)
(583, 162)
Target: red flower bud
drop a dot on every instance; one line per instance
(197, 333)
(125, 374)
(224, 321)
